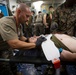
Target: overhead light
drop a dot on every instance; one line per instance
(37, 5)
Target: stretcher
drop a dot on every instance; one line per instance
(28, 59)
(45, 59)
(34, 60)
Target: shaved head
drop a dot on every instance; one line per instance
(23, 7)
(22, 13)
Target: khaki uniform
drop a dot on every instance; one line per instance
(64, 20)
(8, 31)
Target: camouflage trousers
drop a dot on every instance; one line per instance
(7, 68)
(38, 29)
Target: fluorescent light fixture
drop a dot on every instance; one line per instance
(37, 5)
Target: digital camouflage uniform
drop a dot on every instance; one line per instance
(64, 20)
(27, 30)
(38, 25)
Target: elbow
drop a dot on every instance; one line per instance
(14, 46)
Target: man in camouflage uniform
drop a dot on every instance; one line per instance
(64, 20)
(38, 26)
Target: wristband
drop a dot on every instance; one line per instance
(60, 50)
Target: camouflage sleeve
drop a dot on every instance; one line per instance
(54, 23)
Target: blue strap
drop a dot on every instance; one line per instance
(60, 50)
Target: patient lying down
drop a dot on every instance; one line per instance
(67, 43)
(69, 48)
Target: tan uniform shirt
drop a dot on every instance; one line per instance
(8, 31)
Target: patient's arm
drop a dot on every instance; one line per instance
(68, 56)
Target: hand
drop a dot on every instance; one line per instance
(40, 40)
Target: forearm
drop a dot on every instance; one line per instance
(17, 44)
(50, 17)
(68, 56)
(44, 20)
(25, 45)
(33, 42)
(23, 38)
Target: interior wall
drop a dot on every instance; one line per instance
(12, 5)
(44, 7)
(3, 1)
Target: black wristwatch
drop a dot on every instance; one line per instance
(27, 40)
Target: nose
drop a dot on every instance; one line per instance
(27, 19)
